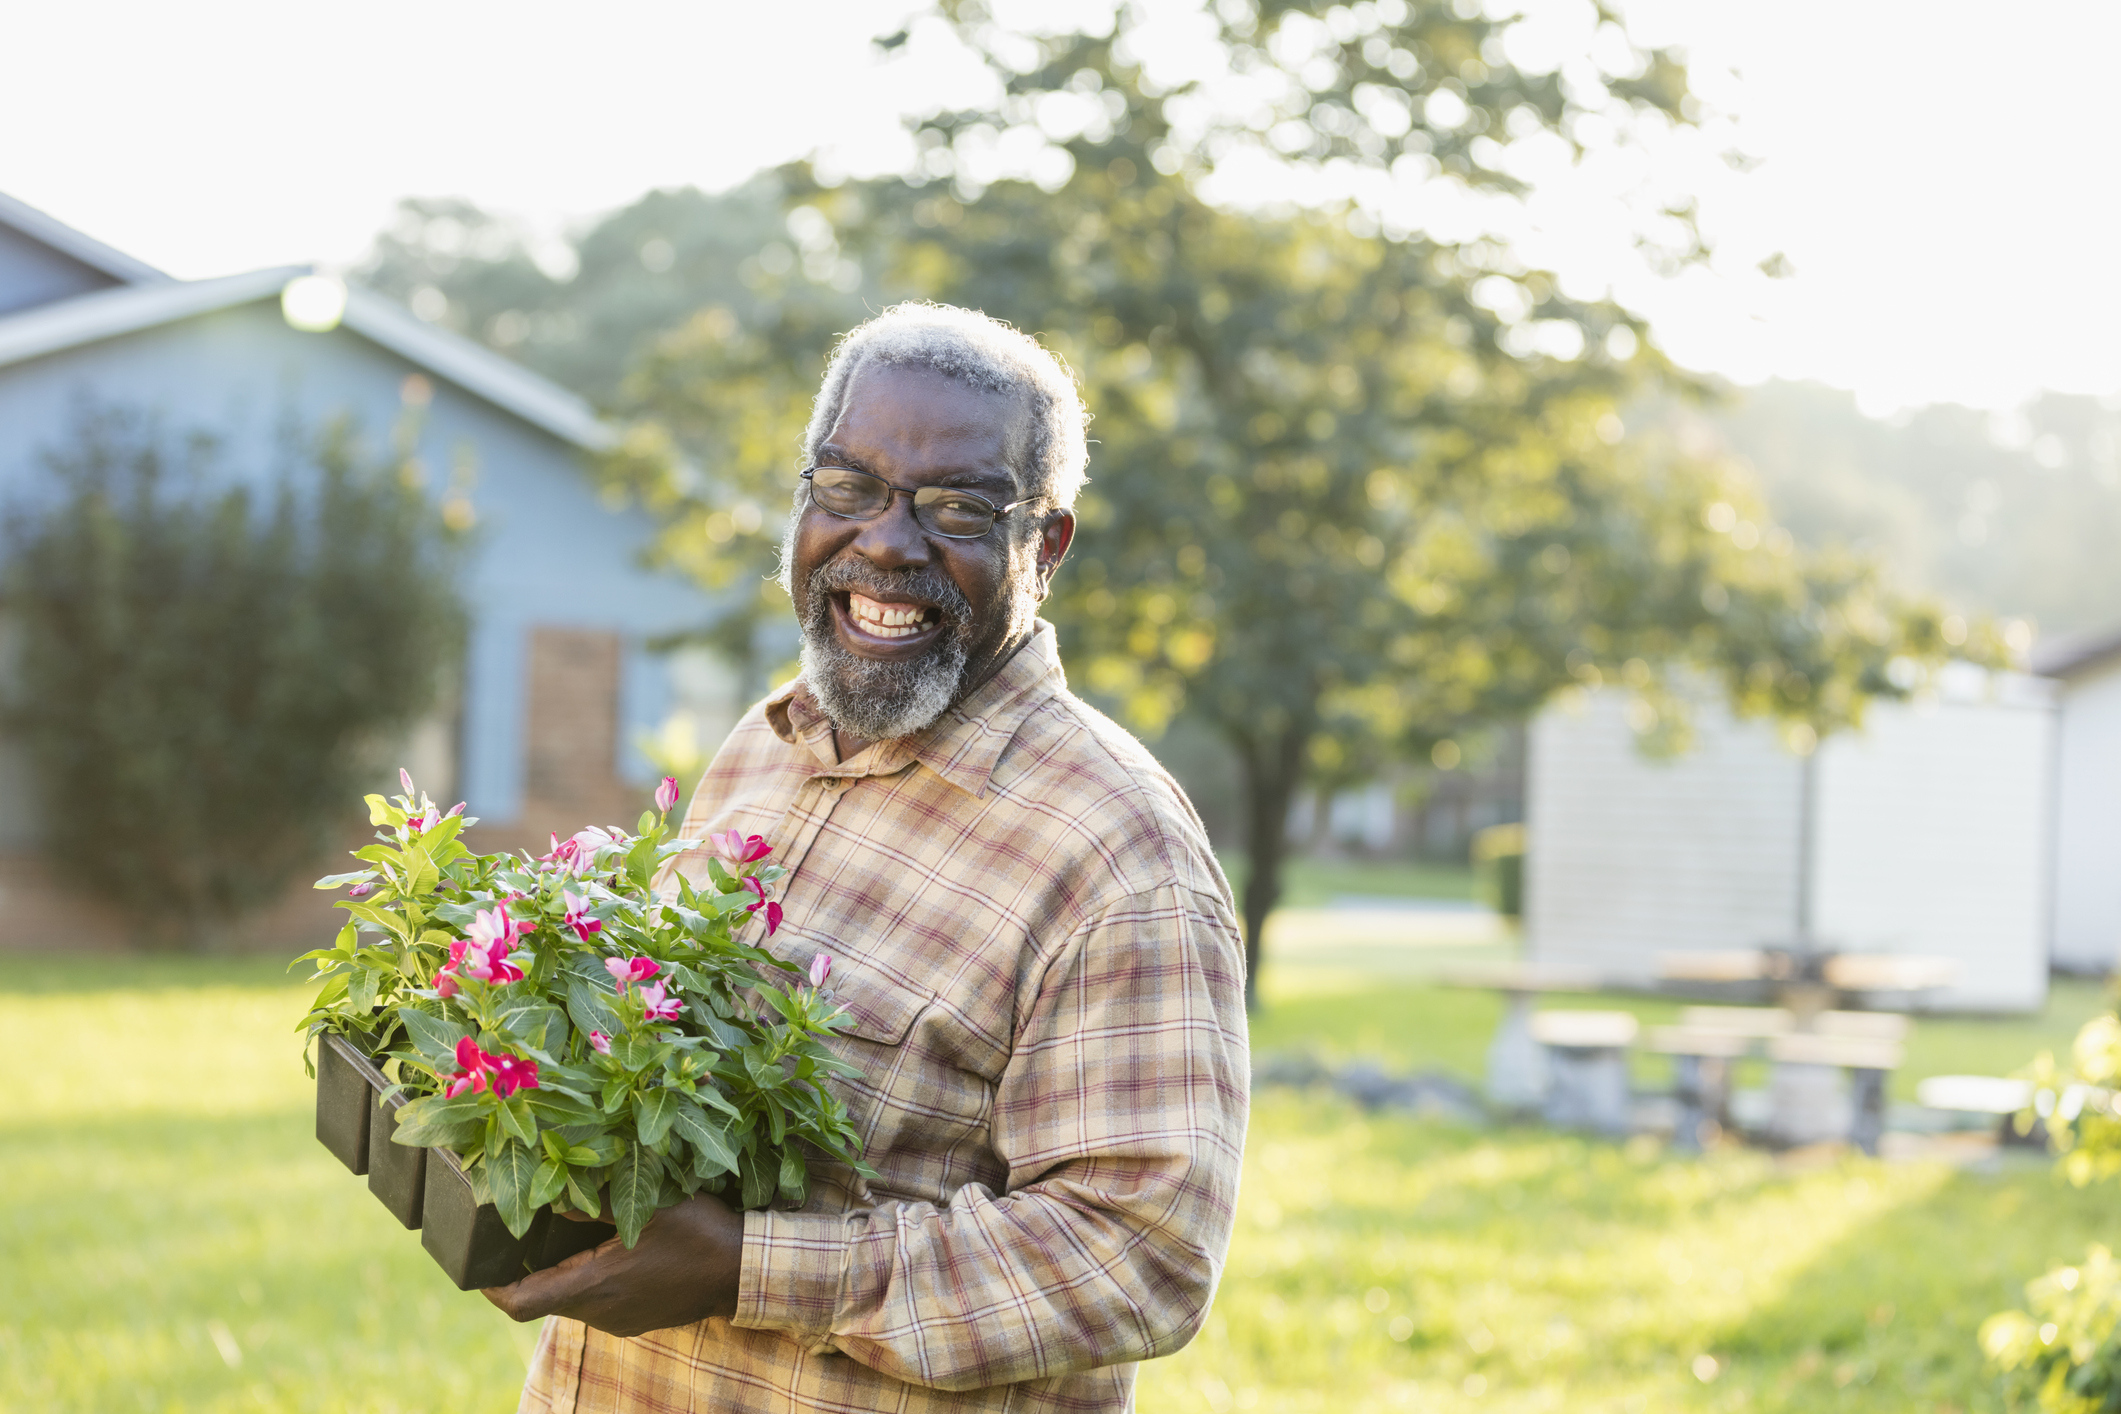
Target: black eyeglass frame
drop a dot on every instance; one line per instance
(915, 494)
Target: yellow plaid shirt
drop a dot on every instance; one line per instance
(1045, 974)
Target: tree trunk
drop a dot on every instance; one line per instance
(1271, 767)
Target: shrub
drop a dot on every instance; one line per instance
(572, 1037)
(204, 667)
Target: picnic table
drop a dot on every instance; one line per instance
(1517, 1060)
(1806, 979)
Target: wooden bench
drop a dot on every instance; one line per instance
(1587, 1068)
(1701, 1078)
(1805, 1080)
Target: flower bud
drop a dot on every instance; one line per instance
(666, 794)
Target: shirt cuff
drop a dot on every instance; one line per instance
(793, 1268)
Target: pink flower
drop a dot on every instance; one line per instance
(577, 856)
(414, 824)
(820, 969)
(405, 780)
(477, 1069)
(446, 985)
(739, 849)
(483, 953)
(631, 969)
(362, 889)
(578, 916)
(512, 1073)
(773, 910)
(666, 794)
(473, 1066)
(600, 1043)
(458, 808)
(658, 1007)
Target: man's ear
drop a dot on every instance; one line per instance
(1054, 538)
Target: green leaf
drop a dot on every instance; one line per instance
(515, 1119)
(548, 1183)
(635, 1052)
(434, 1037)
(582, 1156)
(795, 1176)
(653, 1115)
(708, 1140)
(381, 917)
(645, 824)
(759, 1181)
(591, 1007)
(512, 1172)
(583, 1195)
(433, 1119)
(421, 873)
(361, 991)
(636, 1181)
(555, 1147)
(340, 881)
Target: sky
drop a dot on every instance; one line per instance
(1936, 176)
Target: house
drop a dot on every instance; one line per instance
(1927, 833)
(558, 680)
(2087, 880)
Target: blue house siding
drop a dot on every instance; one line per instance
(546, 551)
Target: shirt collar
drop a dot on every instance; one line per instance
(962, 746)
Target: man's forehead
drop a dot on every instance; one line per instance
(920, 416)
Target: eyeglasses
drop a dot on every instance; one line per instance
(948, 511)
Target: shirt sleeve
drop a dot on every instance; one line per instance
(1121, 1117)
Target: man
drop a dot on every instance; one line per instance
(1027, 927)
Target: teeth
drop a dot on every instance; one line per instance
(886, 620)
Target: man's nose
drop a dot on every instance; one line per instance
(894, 540)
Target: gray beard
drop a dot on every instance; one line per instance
(882, 701)
(885, 701)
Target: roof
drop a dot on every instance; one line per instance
(106, 314)
(67, 241)
(2072, 655)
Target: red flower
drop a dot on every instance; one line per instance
(657, 1006)
(578, 916)
(631, 969)
(773, 910)
(506, 1074)
(739, 849)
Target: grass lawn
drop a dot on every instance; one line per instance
(174, 1238)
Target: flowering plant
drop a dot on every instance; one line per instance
(573, 1038)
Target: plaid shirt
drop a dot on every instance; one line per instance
(1046, 979)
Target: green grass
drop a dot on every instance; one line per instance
(174, 1239)
(1317, 883)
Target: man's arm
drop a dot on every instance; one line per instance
(1121, 1115)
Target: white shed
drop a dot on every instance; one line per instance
(2087, 931)
(1926, 833)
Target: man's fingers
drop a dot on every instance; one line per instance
(542, 1293)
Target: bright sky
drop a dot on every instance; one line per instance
(1938, 175)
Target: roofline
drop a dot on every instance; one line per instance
(2077, 653)
(67, 241)
(105, 314)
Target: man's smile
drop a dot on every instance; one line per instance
(900, 625)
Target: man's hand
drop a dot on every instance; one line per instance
(684, 1269)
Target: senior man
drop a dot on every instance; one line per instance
(1034, 942)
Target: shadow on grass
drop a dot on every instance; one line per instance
(1887, 1317)
(212, 1264)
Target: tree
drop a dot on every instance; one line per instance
(1356, 490)
(202, 674)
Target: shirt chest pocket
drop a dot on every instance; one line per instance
(924, 1120)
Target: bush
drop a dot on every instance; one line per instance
(203, 670)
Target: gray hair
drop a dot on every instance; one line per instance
(986, 353)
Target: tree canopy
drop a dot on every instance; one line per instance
(1356, 491)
